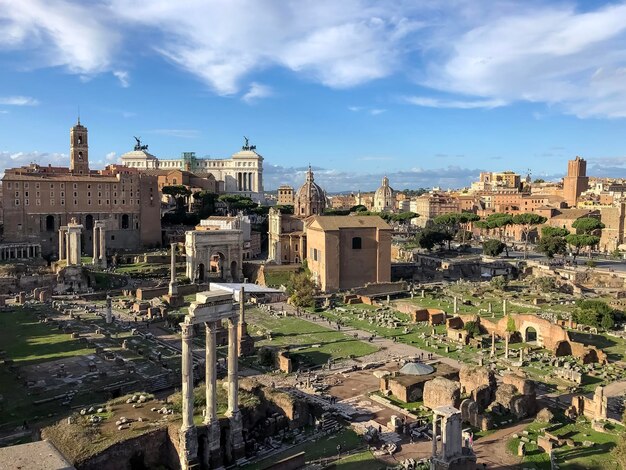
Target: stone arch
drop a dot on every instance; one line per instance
(125, 221)
(590, 356)
(217, 260)
(563, 348)
(530, 334)
(89, 222)
(201, 273)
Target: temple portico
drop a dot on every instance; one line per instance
(210, 309)
(99, 244)
(70, 243)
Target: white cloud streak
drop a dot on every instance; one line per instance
(256, 92)
(123, 77)
(454, 104)
(18, 101)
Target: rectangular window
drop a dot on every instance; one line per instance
(36, 185)
(75, 186)
(25, 185)
(52, 202)
(51, 193)
(315, 253)
(39, 202)
(62, 185)
(9, 185)
(25, 194)
(62, 202)
(17, 202)
(51, 185)
(25, 202)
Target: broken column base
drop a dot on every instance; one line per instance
(237, 444)
(188, 449)
(175, 300)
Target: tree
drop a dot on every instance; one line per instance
(548, 231)
(596, 313)
(544, 284)
(301, 289)
(579, 241)
(527, 221)
(588, 226)
(206, 201)
(235, 202)
(499, 282)
(179, 193)
(499, 221)
(493, 247)
(588, 231)
(472, 328)
(510, 324)
(358, 208)
(552, 241)
(539, 180)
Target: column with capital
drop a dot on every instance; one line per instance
(61, 244)
(233, 413)
(210, 418)
(188, 449)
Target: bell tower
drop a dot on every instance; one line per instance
(79, 150)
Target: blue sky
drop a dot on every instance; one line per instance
(428, 92)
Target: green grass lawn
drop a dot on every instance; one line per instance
(277, 278)
(360, 461)
(597, 457)
(304, 335)
(319, 449)
(25, 340)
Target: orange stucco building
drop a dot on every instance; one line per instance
(348, 251)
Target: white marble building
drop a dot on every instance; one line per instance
(242, 173)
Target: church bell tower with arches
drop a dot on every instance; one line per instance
(79, 150)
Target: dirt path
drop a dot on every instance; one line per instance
(492, 448)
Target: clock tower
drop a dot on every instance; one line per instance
(79, 150)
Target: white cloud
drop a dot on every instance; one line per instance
(548, 54)
(339, 44)
(18, 101)
(376, 111)
(256, 92)
(123, 77)
(59, 33)
(111, 156)
(17, 159)
(456, 104)
(367, 109)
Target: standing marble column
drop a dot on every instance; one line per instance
(173, 288)
(95, 240)
(456, 305)
(109, 313)
(506, 345)
(210, 417)
(236, 436)
(61, 244)
(434, 435)
(103, 247)
(188, 451)
(493, 344)
(504, 307)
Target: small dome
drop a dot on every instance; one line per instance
(383, 197)
(310, 198)
(416, 368)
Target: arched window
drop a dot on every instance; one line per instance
(50, 223)
(89, 222)
(356, 243)
(125, 221)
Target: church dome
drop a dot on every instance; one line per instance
(310, 198)
(384, 199)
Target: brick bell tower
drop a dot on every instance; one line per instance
(79, 150)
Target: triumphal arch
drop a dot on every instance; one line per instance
(214, 255)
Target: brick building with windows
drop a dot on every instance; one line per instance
(38, 200)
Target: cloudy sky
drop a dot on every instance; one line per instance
(427, 92)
